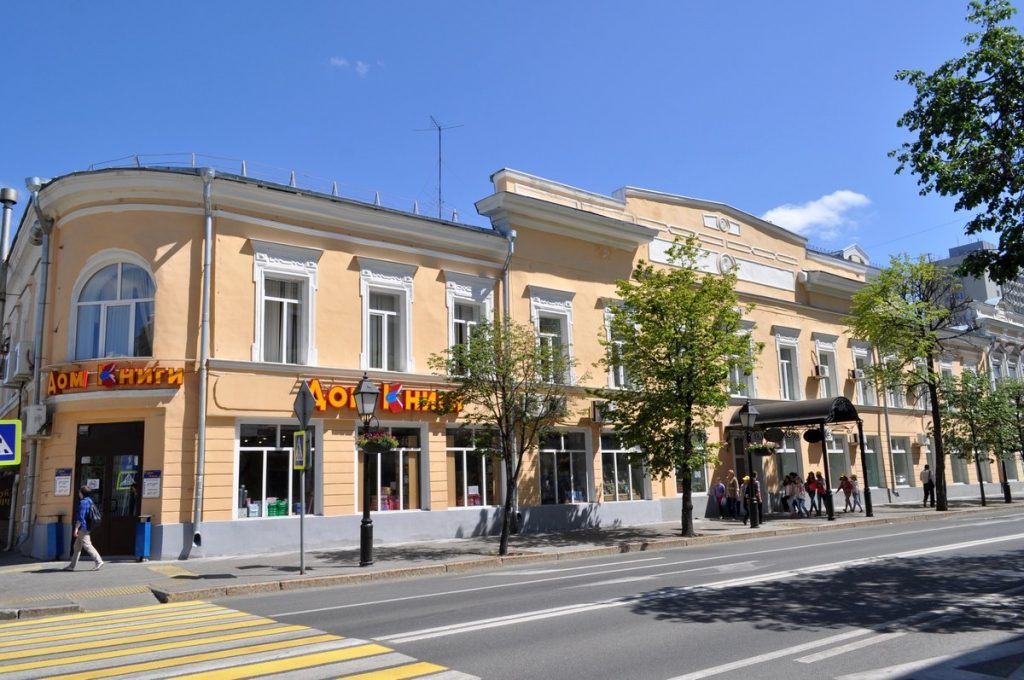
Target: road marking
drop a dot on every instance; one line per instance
(77, 633)
(541, 572)
(305, 661)
(536, 615)
(412, 670)
(859, 644)
(142, 617)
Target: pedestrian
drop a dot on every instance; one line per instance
(844, 486)
(822, 488)
(718, 490)
(732, 494)
(758, 503)
(811, 486)
(928, 482)
(784, 498)
(798, 504)
(855, 491)
(82, 530)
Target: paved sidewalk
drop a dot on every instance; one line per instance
(31, 588)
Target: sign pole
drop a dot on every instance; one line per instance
(302, 509)
(303, 406)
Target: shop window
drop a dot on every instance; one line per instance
(873, 455)
(386, 290)
(396, 473)
(267, 484)
(563, 469)
(114, 313)
(699, 475)
(838, 458)
(959, 466)
(899, 448)
(286, 284)
(621, 479)
(474, 471)
(787, 456)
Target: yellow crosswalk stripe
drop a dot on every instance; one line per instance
(76, 625)
(92, 633)
(93, 644)
(95, 615)
(147, 649)
(291, 663)
(411, 670)
(206, 656)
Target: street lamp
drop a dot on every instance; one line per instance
(366, 394)
(748, 416)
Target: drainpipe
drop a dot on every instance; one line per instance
(8, 197)
(204, 355)
(34, 184)
(506, 297)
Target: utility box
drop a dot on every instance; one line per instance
(143, 537)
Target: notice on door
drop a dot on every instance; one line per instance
(62, 482)
(151, 484)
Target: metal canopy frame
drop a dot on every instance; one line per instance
(811, 413)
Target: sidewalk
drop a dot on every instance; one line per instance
(32, 588)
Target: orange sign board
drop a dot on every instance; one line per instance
(394, 397)
(110, 375)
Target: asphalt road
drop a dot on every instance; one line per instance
(920, 600)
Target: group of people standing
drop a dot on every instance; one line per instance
(731, 496)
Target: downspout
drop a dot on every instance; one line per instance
(8, 197)
(34, 184)
(506, 301)
(204, 356)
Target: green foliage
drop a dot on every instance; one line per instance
(676, 334)
(971, 416)
(970, 135)
(1009, 395)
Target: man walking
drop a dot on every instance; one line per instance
(81, 532)
(732, 497)
(928, 482)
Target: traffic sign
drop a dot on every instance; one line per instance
(303, 405)
(299, 450)
(10, 442)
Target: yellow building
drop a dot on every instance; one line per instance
(306, 287)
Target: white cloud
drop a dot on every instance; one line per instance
(340, 62)
(823, 217)
(362, 68)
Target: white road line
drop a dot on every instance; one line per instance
(859, 644)
(540, 572)
(524, 617)
(461, 591)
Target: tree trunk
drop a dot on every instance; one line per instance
(687, 511)
(940, 457)
(506, 516)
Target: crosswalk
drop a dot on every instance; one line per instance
(195, 640)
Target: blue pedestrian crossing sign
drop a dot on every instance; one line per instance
(10, 442)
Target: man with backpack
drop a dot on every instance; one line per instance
(86, 519)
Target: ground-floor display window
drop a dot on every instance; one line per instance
(267, 484)
(986, 469)
(1012, 470)
(787, 457)
(959, 465)
(396, 473)
(873, 456)
(474, 471)
(563, 468)
(621, 480)
(838, 459)
(699, 475)
(899, 448)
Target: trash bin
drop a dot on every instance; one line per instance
(55, 538)
(143, 537)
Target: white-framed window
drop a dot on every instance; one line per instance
(267, 486)
(899, 451)
(470, 301)
(564, 474)
(787, 457)
(396, 474)
(897, 396)
(741, 384)
(865, 388)
(551, 312)
(474, 476)
(873, 454)
(945, 370)
(838, 458)
(286, 282)
(959, 468)
(386, 291)
(828, 386)
(789, 387)
(996, 362)
(621, 479)
(617, 377)
(113, 307)
(699, 475)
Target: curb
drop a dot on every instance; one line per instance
(485, 563)
(40, 612)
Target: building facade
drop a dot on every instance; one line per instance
(310, 288)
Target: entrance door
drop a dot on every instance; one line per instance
(109, 460)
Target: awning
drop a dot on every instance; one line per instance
(810, 412)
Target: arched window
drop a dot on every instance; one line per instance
(115, 313)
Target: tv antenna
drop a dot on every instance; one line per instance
(440, 128)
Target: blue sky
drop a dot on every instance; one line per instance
(761, 105)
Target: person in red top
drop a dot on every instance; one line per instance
(811, 486)
(847, 489)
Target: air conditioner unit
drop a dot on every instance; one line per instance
(820, 371)
(18, 365)
(36, 419)
(923, 439)
(856, 374)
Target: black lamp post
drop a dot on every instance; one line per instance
(748, 416)
(367, 395)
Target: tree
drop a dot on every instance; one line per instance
(676, 336)
(513, 387)
(971, 419)
(1009, 395)
(911, 313)
(968, 117)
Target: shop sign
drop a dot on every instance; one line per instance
(111, 375)
(62, 482)
(394, 397)
(151, 484)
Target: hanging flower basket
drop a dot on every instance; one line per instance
(377, 441)
(761, 449)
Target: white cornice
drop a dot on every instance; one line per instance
(863, 269)
(507, 210)
(827, 283)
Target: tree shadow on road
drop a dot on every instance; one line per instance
(879, 595)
